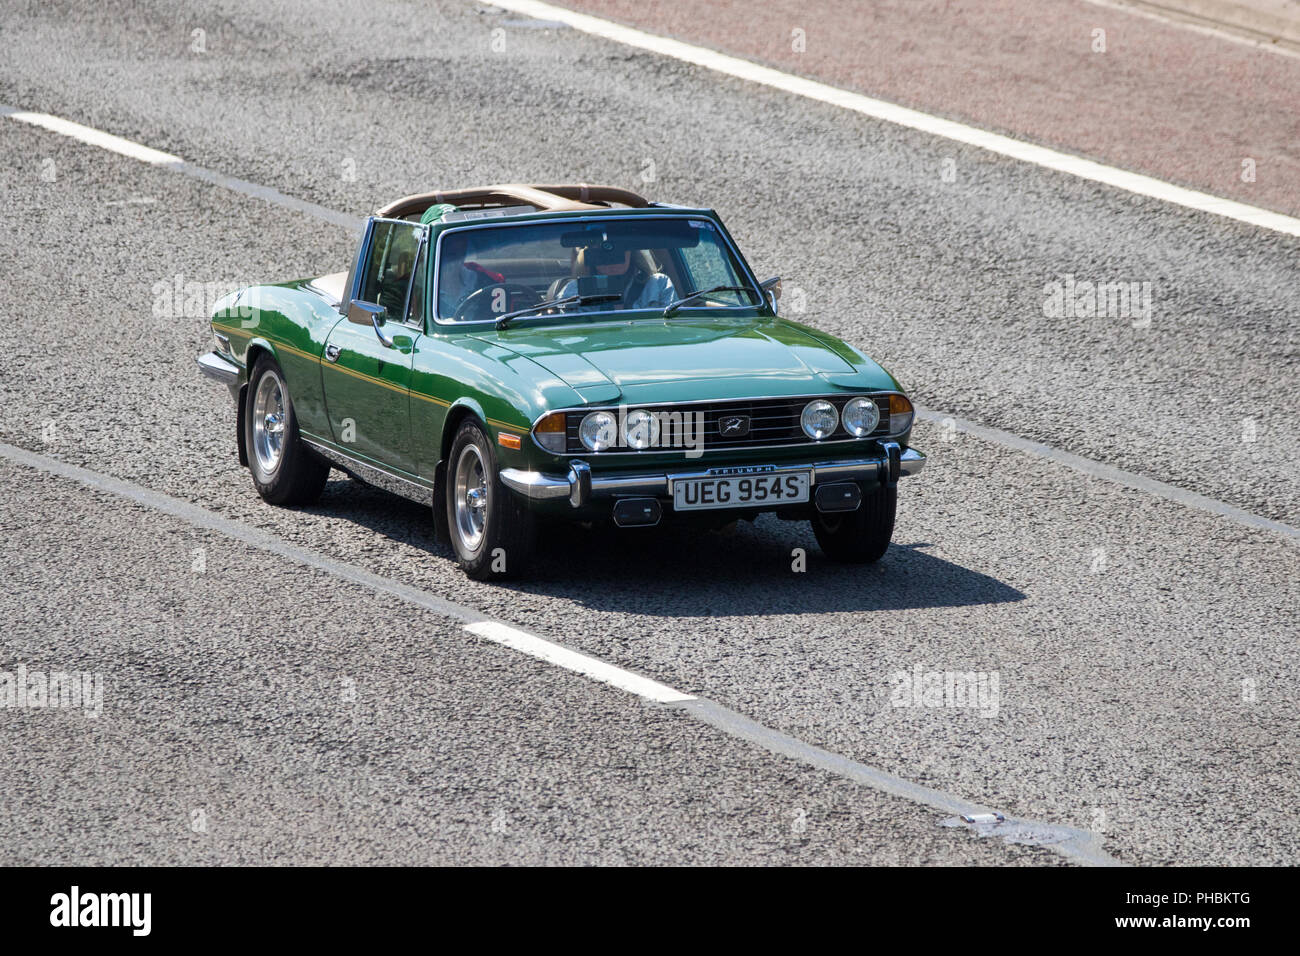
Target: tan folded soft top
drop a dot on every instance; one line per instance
(564, 198)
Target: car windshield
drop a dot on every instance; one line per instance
(601, 266)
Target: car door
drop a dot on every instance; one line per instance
(366, 372)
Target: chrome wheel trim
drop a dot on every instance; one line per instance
(269, 420)
(470, 497)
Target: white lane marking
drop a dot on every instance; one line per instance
(577, 662)
(154, 157)
(95, 137)
(1076, 845)
(997, 436)
(910, 118)
(1097, 469)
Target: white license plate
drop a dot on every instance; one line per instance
(741, 491)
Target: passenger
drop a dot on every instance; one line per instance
(638, 288)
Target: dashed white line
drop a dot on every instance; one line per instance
(95, 137)
(154, 157)
(577, 662)
(903, 116)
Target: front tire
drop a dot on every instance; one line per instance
(861, 536)
(492, 533)
(285, 472)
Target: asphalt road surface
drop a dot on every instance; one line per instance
(258, 710)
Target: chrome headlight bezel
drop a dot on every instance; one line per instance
(598, 431)
(830, 419)
(860, 416)
(640, 429)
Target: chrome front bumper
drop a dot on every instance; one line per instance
(214, 366)
(580, 486)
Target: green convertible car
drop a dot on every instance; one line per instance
(512, 352)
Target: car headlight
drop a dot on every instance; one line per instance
(819, 419)
(900, 414)
(640, 429)
(860, 416)
(551, 432)
(598, 431)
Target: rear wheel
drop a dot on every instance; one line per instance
(492, 533)
(861, 536)
(285, 472)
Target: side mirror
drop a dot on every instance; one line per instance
(772, 289)
(371, 314)
(366, 313)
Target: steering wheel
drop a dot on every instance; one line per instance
(480, 301)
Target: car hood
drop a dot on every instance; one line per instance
(603, 359)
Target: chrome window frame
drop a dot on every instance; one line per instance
(747, 272)
(417, 322)
(353, 287)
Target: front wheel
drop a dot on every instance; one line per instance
(861, 536)
(285, 472)
(492, 533)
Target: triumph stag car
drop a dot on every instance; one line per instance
(511, 352)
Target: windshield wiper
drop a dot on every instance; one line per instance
(504, 320)
(678, 303)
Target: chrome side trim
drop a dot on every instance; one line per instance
(581, 485)
(215, 367)
(371, 475)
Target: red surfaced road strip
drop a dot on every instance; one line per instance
(1162, 99)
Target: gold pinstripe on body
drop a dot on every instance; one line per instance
(368, 378)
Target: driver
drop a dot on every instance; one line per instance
(392, 287)
(639, 288)
(461, 276)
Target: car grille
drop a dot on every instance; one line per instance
(772, 423)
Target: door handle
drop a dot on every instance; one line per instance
(332, 353)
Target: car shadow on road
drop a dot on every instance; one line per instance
(753, 570)
(676, 571)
